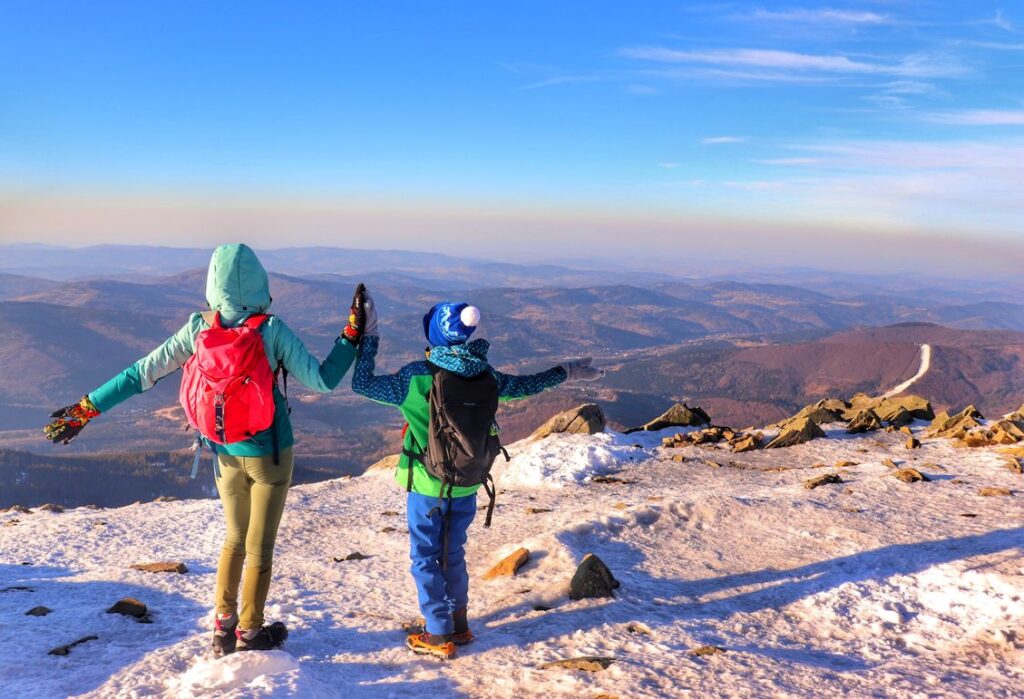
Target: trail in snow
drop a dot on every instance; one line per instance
(872, 587)
(926, 362)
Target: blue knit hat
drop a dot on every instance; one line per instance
(449, 323)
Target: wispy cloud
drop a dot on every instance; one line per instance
(821, 16)
(999, 19)
(717, 140)
(788, 161)
(778, 62)
(980, 117)
(668, 166)
(563, 80)
(755, 185)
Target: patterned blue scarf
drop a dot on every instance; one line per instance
(465, 360)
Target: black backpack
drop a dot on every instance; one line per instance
(462, 439)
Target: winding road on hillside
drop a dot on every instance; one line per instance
(926, 362)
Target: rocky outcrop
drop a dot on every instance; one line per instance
(583, 419)
(957, 425)
(388, 463)
(592, 579)
(918, 407)
(823, 412)
(796, 433)
(679, 415)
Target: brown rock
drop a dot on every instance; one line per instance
(913, 443)
(916, 406)
(354, 556)
(679, 415)
(509, 565)
(796, 433)
(864, 421)
(589, 663)
(899, 418)
(995, 492)
(129, 606)
(910, 475)
(583, 419)
(702, 651)
(162, 567)
(388, 463)
(827, 479)
(592, 579)
(38, 611)
(955, 426)
(746, 443)
(51, 507)
(846, 464)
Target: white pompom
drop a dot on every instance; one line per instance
(470, 316)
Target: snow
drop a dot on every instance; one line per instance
(872, 587)
(926, 363)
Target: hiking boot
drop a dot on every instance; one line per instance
(431, 644)
(464, 638)
(462, 635)
(264, 638)
(224, 638)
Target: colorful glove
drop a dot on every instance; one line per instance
(70, 421)
(353, 332)
(580, 370)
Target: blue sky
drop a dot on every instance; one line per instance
(439, 120)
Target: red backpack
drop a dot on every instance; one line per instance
(227, 384)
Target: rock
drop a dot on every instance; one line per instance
(679, 415)
(889, 462)
(955, 426)
(162, 567)
(38, 611)
(51, 507)
(354, 556)
(702, 651)
(995, 492)
(1013, 464)
(165, 498)
(509, 565)
(20, 509)
(864, 421)
(821, 413)
(916, 406)
(846, 464)
(64, 650)
(913, 443)
(18, 588)
(537, 510)
(1007, 431)
(899, 418)
(907, 431)
(592, 579)
(748, 442)
(611, 480)
(826, 479)
(583, 419)
(388, 463)
(910, 475)
(129, 606)
(588, 663)
(796, 433)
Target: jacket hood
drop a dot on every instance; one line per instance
(237, 284)
(466, 360)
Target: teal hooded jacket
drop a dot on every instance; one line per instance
(237, 287)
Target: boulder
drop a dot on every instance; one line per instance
(583, 419)
(918, 407)
(910, 475)
(388, 463)
(129, 606)
(821, 413)
(162, 567)
(955, 426)
(701, 651)
(51, 507)
(827, 479)
(509, 565)
(796, 433)
(995, 492)
(913, 443)
(747, 442)
(899, 418)
(865, 420)
(679, 415)
(592, 579)
(38, 611)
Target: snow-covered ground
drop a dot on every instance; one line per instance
(926, 363)
(872, 587)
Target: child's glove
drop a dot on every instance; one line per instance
(70, 420)
(353, 332)
(580, 370)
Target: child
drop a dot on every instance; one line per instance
(433, 504)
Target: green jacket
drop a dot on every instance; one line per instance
(409, 390)
(237, 287)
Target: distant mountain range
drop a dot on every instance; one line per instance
(749, 353)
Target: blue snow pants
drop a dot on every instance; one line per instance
(440, 591)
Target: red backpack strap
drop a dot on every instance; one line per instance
(255, 321)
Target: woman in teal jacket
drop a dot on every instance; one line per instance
(252, 476)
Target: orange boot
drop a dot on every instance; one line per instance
(431, 644)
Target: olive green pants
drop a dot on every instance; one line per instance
(252, 490)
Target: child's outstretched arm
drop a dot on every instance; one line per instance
(390, 389)
(512, 387)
